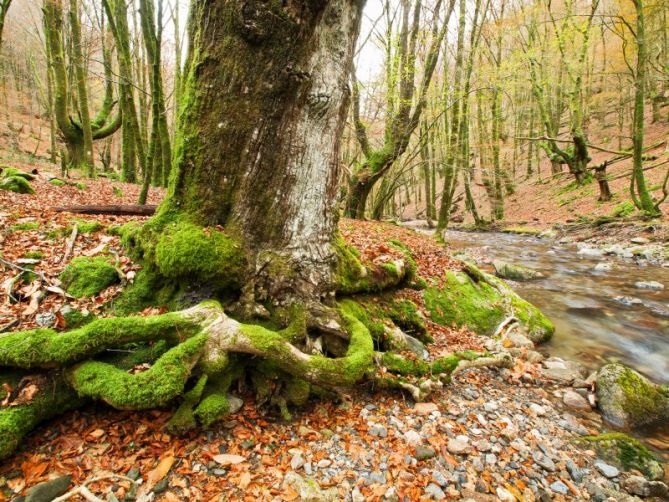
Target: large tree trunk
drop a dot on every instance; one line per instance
(260, 132)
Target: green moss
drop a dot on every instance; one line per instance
(23, 227)
(17, 421)
(86, 277)
(46, 348)
(34, 255)
(85, 227)
(188, 251)
(8, 172)
(81, 186)
(147, 290)
(626, 452)
(215, 403)
(152, 388)
(401, 365)
(522, 230)
(57, 183)
(642, 398)
(623, 209)
(367, 314)
(481, 302)
(16, 184)
(297, 391)
(117, 191)
(75, 318)
(183, 419)
(405, 314)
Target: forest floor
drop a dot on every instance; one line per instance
(489, 435)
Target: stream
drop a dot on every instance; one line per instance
(592, 326)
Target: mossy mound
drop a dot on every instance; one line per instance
(628, 399)
(86, 227)
(86, 277)
(481, 302)
(626, 453)
(17, 184)
(515, 272)
(25, 226)
(57, 183)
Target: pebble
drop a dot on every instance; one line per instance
(560, 487)
(435, 492)
(505, 495)
(544, 461)
(575, 473)
(654, 285)
(575, 401)
(607, 470)
(424, 409)
(413, 438)
(439, 478)
(458, 444)
(296, 462)
(483, 445)
(424, 452)
(537, 409)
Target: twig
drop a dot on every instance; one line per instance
(70, 243)
(22, 269)
(86, 493)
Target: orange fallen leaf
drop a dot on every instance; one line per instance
(227, 459)
(160, 471)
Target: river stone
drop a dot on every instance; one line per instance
(515, 272)
(639, 240)
(604, 266)
(399, 341)
(519, 340)
(626, 453)
(653, 285)
(638, 485)
(459, 444)
(575, 401)
(424, 409)
(49, 490)
(590, 252)
(607, 470)
(627, 399)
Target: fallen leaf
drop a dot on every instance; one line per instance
(227, 459)
(160, 471)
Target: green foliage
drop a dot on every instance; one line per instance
(34, 255)
(86, 277)
(57, 183)
(117, 191)
(81, 186)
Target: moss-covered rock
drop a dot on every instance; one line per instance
(481, 302)
(626, 453)
(85, 277)
(16, 184)
(515, 272)
(628, 399)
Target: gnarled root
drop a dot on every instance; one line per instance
(205, 345)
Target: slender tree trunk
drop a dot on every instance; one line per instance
(86, 157)
(639, 190)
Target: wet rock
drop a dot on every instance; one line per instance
(628, 301)
(653, 285)
(604, 266)
(515, 272)
(534, 357)
(575, 401)
(49, 490)
(235, 404)
(627, 399)
(607, 470)
(590, 252)
(519, 340)
(575, 473)
(638, 485)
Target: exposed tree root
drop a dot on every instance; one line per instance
(206, 346)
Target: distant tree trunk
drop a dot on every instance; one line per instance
(4, 7)
(71, 130)
(638, 189)
(80, 72)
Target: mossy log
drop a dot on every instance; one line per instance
(198, 353)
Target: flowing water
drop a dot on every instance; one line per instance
(592, 326)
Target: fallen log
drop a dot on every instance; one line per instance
(117, 210)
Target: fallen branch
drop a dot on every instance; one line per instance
(84, 492)
(70, 243)
(116, 210)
